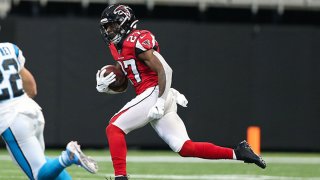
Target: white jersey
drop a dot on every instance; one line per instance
(11, 89)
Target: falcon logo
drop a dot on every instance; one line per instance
(146, 43)
(122, 10)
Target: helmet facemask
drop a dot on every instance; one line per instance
(112, 32)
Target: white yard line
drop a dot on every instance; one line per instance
(178, 159)
(217, 177)
(178, 177)
(210, 177)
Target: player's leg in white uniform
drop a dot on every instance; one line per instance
(24, 140)
(24, 146)
(64, 174)
(132, 116)
(170, 127)
(44, 170)
(172, 130)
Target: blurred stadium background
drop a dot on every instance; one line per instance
(239, 63)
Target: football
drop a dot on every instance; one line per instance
(121, 82)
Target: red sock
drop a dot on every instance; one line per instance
(205, 150)
(118, 149)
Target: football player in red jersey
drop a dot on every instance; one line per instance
(136, 52)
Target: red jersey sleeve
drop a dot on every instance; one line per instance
(145, 42)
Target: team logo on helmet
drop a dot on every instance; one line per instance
(123, 10)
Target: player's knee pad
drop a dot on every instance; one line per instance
(187, 149)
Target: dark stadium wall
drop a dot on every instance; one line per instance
(234, 76)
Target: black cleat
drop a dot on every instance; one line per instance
(244, 152)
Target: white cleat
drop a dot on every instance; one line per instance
(78, 157)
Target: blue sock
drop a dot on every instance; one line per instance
(63, 176)
(53, 169)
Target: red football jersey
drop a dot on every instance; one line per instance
(140, 75)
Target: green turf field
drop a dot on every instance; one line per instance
(155, 165)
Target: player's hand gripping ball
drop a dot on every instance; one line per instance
(121, 82)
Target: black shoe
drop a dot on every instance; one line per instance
(121, 178)
(244, 152)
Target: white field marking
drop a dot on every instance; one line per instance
(205, 177)
(184, 177)
(180, 177)
(217, 177)
(178, 159)
(172, 177)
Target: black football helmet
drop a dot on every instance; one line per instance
(116, 22)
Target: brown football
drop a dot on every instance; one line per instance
(121, 82)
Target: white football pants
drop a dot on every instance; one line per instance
(135, 115)
(24, 137)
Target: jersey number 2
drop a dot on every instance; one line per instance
(4, 93)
